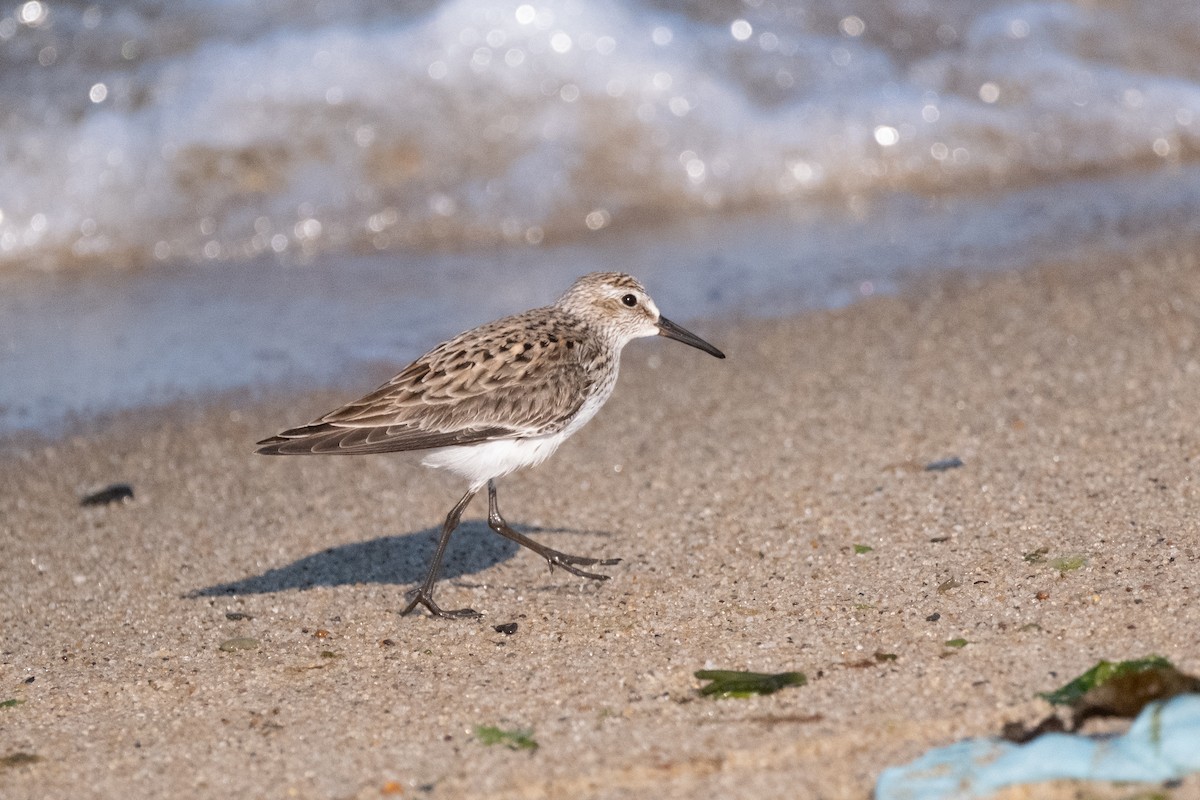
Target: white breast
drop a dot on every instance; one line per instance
(480, 463)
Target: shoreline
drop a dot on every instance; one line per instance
(738, 494)
(121, 339)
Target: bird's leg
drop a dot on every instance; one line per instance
(423, 594)
(553, 557)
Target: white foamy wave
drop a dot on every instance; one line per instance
(222, 130)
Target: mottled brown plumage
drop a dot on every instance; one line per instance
(497, 398)
(472, 388)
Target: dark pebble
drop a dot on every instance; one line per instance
(508, 628)
(934, 617)
(954, 462)
(117, 493)
(237, 616)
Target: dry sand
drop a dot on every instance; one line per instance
(736, 493)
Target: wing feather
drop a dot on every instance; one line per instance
(525, 375)
(329, 439)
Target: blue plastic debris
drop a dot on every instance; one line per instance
(1160, 745)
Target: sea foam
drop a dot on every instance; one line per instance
(225, 130)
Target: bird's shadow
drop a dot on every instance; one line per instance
(397, 560)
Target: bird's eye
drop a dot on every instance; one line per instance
(629, 300)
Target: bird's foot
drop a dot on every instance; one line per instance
(572, 563)
(555, 558)
(424, 597)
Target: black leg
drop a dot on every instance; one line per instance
(553, 557)
(423, 595)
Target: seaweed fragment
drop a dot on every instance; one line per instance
(18, 759)
(1121, 689)
(238, 643)
(1064, 563)
(734, 683)
(515, 739)
(1102, 672)
(1068, 563)
(1036, 556)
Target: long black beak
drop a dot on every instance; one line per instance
(672, 331)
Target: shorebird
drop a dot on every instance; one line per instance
(495, 399)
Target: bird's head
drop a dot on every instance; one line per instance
(619, 303)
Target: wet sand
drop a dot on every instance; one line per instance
(742, 497)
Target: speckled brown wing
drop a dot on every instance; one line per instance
(525, 375)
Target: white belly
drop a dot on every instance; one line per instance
(480, 463)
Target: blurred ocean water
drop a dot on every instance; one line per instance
(149, 130)
(266, 185)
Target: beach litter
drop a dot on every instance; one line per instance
(1160, 745)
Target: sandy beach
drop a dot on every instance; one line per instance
(773, 513)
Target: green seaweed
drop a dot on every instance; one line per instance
(1068, 563)
(733, 683)
(859, 549)
(515, 739)
(13, 703)
(881, 656)
(1036, 556)
(1102, 672)
(957, 643)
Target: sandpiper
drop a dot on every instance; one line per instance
(498, 398)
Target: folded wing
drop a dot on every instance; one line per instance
(514, 378)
